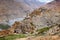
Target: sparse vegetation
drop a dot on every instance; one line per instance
(3, 26)
(13, 36)
(43, 30)
(32, 24)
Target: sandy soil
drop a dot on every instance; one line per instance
(41, 38)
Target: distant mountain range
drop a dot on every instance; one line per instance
(31, 2)
(12, 9)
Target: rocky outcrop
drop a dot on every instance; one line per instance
(55, 30)
(4, 33)
(44, 17)
(25, 27)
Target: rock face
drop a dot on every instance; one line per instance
(55, 30)
(24, 27)
(46, 16)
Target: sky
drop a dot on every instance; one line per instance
(46, 1)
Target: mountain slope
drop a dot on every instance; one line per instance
(12, 9)
(47, 15)
(55, 5)
(42, 18)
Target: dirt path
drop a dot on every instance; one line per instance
(41, 38)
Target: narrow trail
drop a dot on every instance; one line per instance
(41, 38)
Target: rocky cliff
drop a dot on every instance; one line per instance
(47, 15)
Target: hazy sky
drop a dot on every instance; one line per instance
(45, 1)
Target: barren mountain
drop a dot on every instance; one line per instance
(54, 5)
(44, 17)
(12, 9)
(47, 15)
(42, 21)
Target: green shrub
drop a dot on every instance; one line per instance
(3, 26)
(2, 38)
(43, 29)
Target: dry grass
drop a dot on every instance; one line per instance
(41, 38)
